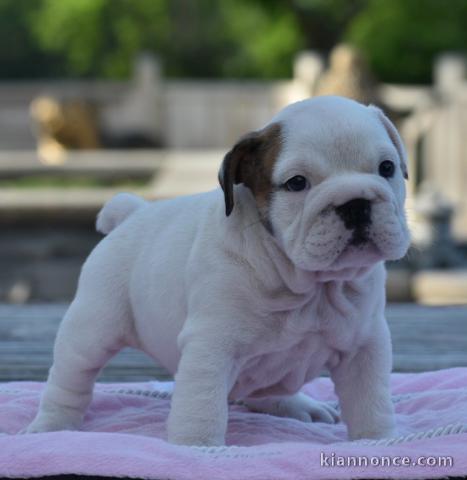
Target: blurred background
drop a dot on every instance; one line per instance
(101, 96)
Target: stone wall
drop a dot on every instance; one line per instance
(213, 114)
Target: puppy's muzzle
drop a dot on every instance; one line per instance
(356, 215)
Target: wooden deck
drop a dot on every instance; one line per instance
(424, 338)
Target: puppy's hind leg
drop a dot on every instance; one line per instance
(298, 406)
(84, 344)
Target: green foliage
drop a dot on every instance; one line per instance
(201, 38)
(402, 37)
(223, 38)
(101, 37)
(323, 22)
(20, 56)
(265, 36)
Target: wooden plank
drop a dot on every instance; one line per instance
(424, 338)
(26, 361)
(428, 338)
(26, 344)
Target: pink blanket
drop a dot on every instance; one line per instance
(124, 435)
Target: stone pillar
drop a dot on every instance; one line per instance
(307, 68)
(140, 111)
(445, 148)
(449, 74)
(348, 75)
(146, 94)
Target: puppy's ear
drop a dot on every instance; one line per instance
(250, 162)
(394, 136)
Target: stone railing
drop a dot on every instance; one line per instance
(47, 233)
(213, 114)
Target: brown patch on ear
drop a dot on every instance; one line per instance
(251, 162)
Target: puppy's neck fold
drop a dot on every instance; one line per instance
(284, 285)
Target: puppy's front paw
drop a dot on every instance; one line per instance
(198, 440)
(374, 434)
(298, 406)
(373, 425)
(53, 422)
(193, 432)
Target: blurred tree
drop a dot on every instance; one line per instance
(401, 38)
(324, 22)
(264, 36)
(202, 38)
(101, 37)
(20, 55)
(226, 38)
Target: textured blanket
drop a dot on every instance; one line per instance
(124, 435)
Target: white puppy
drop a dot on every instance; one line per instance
(249, 292)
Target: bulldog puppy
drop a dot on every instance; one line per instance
(250, 291)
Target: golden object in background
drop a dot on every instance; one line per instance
(348, 75)
(62, 126)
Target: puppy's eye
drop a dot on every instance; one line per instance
(296, 184)
(387, 169)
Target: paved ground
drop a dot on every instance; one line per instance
(424, 338)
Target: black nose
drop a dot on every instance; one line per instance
(355, 213)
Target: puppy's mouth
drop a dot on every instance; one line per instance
(358, 256)
(360, 251)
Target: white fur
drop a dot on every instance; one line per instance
(238, 313)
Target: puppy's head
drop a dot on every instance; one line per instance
(328, 178)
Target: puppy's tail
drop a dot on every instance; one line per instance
(116, 210)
